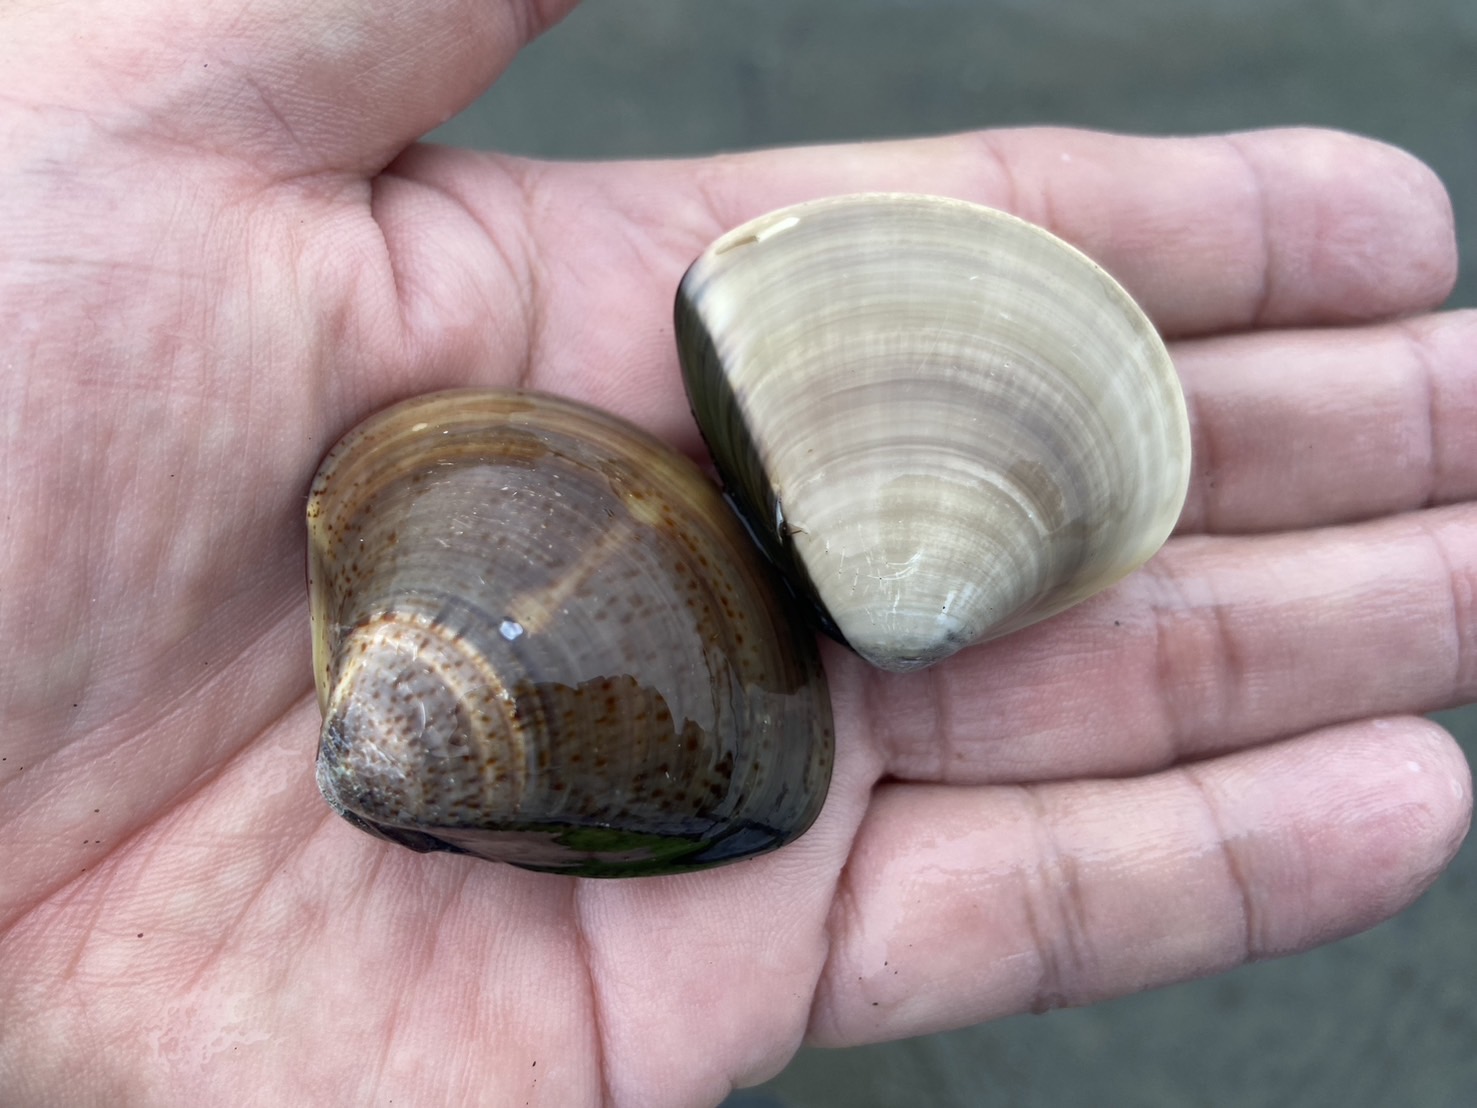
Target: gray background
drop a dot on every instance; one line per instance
(1385, 1018)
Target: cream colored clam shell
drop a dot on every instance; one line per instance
(954, 423)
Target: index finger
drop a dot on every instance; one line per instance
(1327, 228)
(1275, 228)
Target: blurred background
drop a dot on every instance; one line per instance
(1385, 1018)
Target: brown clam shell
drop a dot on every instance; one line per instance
(540, 636)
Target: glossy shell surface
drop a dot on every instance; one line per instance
(541, 637)
(944, 422)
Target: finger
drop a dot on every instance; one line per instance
(963, 905)
(1307, 428)
(1268, 228)
(582, 261)
(1217, 643)
(288, 89)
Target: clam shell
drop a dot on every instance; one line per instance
(942, 420)
(540, 636)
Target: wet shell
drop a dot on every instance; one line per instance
(541, 637)
(944, 422)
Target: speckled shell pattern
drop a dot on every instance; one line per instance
(541, 637)
(944, 422)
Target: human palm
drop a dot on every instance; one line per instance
(218, 251)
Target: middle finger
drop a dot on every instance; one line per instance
(1307, 428)
(1218, 643)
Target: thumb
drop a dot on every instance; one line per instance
(289, 88)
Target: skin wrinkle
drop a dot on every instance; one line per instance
(579, 889)
(417, 309)
(213, 954)
(713, 192)
(1417, 343)
(1231, 668)
(1252, 948)
(842, 918)
(1225, 695)
(521, 276)
(384, 190)
(526, 177)
(1004, 177)
(283, 878)
(843, 914)
(260, 133)
(284, 125)
(1171, 714)
(250, 150)
(878, 696)
(531, 18)
(1060, 932)
(398, 284)
(104, 876)
(1463, 614)
(330, 392)
(840, 915)
(1267, 294)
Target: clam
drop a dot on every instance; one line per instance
(541, 637)
(943, 422)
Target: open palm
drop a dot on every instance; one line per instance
(218, 251)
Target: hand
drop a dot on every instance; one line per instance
(220, 250)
